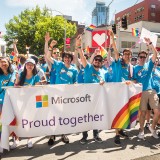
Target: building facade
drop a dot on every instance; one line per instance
(147, 10)
(100, 14)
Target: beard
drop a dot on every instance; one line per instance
(96, 66)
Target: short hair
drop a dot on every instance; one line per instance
(142, 52)
(22, 58)
(127, 50)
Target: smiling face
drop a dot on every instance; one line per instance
(4, 64)
(97, 62)
(127, 56)
(142, 58)
(29, 66)
(67, 60)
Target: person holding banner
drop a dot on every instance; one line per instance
(92, 74)
(7, 78)
(66, 73)
(27, 77)
(142, 74)
(122, 71)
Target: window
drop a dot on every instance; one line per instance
(126, 44)
(153, 6)
(153, 14)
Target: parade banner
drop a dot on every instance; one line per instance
(65, 109)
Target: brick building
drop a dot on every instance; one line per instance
(147, 10)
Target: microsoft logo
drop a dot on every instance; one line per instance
(41, 101)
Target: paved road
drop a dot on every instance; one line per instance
(131, 148)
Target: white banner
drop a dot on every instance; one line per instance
(63, 109)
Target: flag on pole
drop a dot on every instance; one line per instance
(135, 32)
(103, 52)
(87, 50)
(90, 28)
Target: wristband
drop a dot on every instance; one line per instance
(78, 46)
(150, 43)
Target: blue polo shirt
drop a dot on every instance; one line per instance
(156, 80)
(3, 82)
(65, 75)
(32, 81)
(142, 74)
(91, 75)
(121, 71)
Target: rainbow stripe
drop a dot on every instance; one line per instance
(103, 52)
(87, 49)
(128, 114)
(90, 28)
(135, 32)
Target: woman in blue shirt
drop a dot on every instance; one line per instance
(7, 78)
(28, 77)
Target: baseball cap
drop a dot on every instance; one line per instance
(30, 60)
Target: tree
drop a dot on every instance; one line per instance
(31, 26)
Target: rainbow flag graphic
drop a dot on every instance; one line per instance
(87, 50)
(103, 52)
(135, 32)
(41, 101)
(128, 114)
(90, 28)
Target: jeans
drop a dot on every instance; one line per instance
(95, 134)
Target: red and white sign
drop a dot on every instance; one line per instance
(100, 38)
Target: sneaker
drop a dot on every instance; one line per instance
(117, 140)
(158, 126)
(158, 134)
(51, 140)
(65, 139)
(15, 144)
(122, 134)
(153, 131)
(141, 135)
(29, 144)
(98, 139)
(83, 141)
(147, 126)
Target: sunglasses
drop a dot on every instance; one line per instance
(134, 59)
(142, 57)
(98, 60)
(55, 52)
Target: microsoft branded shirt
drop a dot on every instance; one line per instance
(142, 74)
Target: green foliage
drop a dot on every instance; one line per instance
(31, 26)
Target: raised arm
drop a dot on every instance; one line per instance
(114, 45)
(155, 52)
(15, 47)
(80, 51)
(48, 54)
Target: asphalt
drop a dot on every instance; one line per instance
(130, 149)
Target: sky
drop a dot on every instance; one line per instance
(80, 10)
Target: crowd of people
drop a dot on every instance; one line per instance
(69, 68)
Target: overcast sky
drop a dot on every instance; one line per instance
(80, 10)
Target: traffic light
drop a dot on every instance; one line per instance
(114, 28)
(124, 22)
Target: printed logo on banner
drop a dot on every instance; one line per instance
(41, 101)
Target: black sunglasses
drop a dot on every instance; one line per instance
(55, 52)
(142, 57)
(97, 59)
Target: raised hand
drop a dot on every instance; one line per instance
(148, 41)
(78, 41)
(47, 37)
(15, 41)
(53, 43)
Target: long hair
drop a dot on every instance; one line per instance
(24, 73)
(10, 69)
